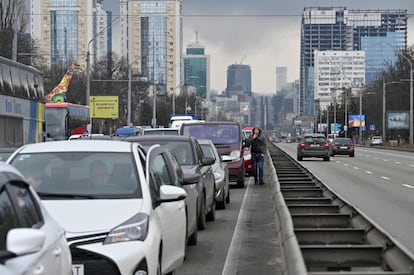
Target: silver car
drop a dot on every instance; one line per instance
(30, 239)
(221, 173)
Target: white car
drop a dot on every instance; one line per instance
(376, 140)
(221, 173)
(31, 241)
(117, 203)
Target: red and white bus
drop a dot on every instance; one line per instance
(65, 119)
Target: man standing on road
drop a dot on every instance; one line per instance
(258, 147)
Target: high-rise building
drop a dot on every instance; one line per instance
(239, 80)
(329, 28)
(197, 69)
(67, 30)
(337, 72)
(151, 40)
(281, 78)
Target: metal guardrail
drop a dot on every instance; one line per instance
(322, 234)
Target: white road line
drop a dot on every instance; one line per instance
(356, 168)
(397, 162)
(411, 165)
(385, 178)
(385, 160)
(368, 172)
(235, 245)
(346, 164)
(409, 186)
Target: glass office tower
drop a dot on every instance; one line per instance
(380, 33)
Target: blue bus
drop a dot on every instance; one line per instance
(21, 104)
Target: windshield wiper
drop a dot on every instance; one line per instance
(65, 195)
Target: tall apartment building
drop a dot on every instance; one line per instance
(339, 29)
(151, 40)
(281, 78)
(239, 80)
(337, 72)
(67, 30)
(197, 69)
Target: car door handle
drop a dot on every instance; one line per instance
(57, 251)
(40, 269)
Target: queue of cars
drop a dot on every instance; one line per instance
(124, 205)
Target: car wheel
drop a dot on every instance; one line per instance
(228, 196)
(211, 215)
(192, 240)
(221, 204)
(201, 220)
(326, 159)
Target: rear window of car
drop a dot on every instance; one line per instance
(314, 139)
(73, 173)
(343, 140)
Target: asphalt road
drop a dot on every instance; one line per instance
(380, 183)
(242, 240)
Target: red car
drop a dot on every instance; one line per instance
(247, 155)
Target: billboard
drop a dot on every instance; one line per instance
(244, 106)
(356, 121)
(104, 106)
(398, 120)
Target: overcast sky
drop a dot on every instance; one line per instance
(264, 34)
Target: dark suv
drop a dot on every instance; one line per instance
(342, 146)
(313, 145)
(194, 163)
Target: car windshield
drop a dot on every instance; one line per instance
(80, 174)
(219, 134)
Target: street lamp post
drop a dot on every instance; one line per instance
(360, 118)
(411, 99)
(384, 84)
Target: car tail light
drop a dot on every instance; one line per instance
(326, 145)
(334, 147)
(302, 144)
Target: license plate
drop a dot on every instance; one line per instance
(343, 147)
(314, 145)
(78, 269)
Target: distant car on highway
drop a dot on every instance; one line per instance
(117, 202)
(342, 146)
(313, 146)
(376, 140)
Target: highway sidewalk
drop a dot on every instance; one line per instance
(256, 239)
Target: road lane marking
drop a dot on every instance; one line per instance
(356, 168)
(234, 251)
(411, 165)
(346, 164)
(385, 160)
(409, 186)
(397, 162)
(368, 172)
(385, 178)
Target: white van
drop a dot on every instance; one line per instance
(176, 121)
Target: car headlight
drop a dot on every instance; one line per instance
(134, 229)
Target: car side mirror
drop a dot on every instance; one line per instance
(207, 161)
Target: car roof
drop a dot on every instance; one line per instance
(159, 137)
(78, 146)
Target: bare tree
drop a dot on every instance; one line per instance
(12, 22)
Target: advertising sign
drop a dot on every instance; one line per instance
(356, 121)
(398, 120)
(104, 106)
(244, 106)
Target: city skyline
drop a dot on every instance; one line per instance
(263, 36)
